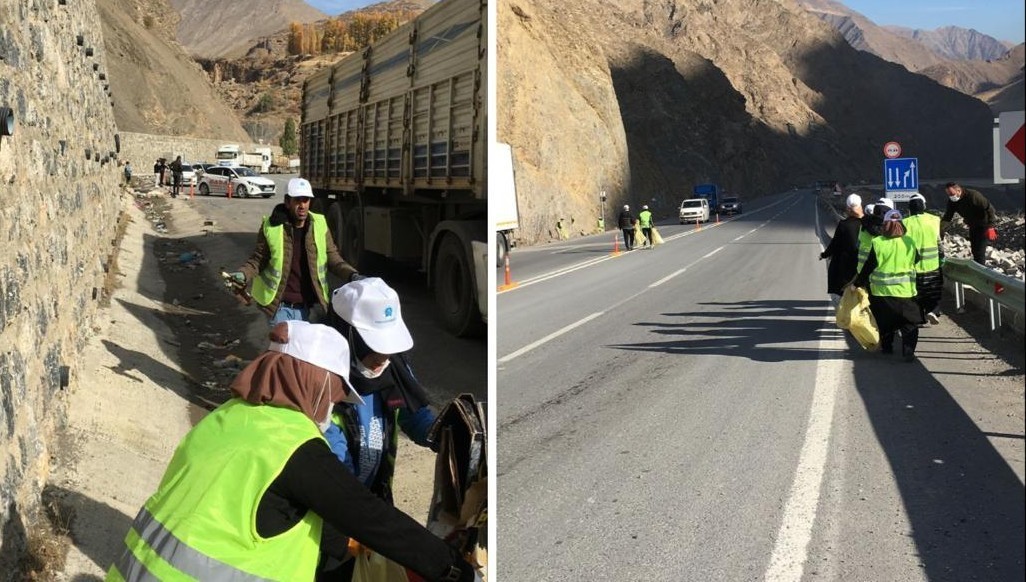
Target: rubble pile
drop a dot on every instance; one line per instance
(1006, 254)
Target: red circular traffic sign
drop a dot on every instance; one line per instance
(892, 149)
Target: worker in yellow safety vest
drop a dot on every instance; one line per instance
(889, 273)
(294, 254)
(924, 228)
(253, 487)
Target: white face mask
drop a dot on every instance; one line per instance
(325, 422)
(953, 198)
(368, 373)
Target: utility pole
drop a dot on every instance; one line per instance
(602, 217)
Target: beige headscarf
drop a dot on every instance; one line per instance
(279, 379)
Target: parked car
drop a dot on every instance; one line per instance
(188, 176)
(201, 168)
(730, 205)
(694, 210)
(245, 182)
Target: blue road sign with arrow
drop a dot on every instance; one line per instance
(901, 175)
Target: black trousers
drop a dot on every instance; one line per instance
(648, 235)
(978, 243)
(628, 238)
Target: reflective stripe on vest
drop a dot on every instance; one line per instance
(201, 522)
(267, 282)
(925, 232)
(895, 275)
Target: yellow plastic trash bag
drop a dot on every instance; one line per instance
(855, 315)
(657, 239)
(639, 237)
(373, 567)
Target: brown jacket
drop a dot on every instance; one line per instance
(261, 255)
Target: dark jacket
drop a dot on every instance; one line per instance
(843, 252)
(262, 255)
(626, 219)
(973, 207)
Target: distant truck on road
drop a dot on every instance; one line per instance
(393, 139)
(710, 192)
(282, 164)
(259, 160)
(504, 191)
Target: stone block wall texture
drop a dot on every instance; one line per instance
(59, 206)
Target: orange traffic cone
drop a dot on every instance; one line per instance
(509, 284)
(229, 188)
(717, 218)
(698, 224)
(192, 187)
(616, 245)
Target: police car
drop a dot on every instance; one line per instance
(244, 182)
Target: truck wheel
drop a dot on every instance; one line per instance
(204, 190)
(501, 248)
(454, 290)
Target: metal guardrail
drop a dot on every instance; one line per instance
(999, 289)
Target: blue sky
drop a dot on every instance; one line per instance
(1001, 19)
(333, 7)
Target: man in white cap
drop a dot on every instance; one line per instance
(254, 493)
(626, 222)
(294, 254)
(843, 250)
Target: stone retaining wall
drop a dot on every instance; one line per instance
(60, 202)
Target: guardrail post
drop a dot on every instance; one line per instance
(995, 314)
(959, 297)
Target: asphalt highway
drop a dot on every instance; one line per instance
(691, 412)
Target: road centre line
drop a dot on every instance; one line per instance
(667, 278)
(549, 337)
(711, 253)
(559, 272)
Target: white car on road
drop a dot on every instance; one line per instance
(244, 182)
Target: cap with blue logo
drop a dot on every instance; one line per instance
(372, 308)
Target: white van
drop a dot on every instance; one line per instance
(694, 210)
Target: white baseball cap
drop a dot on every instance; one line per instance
(300, 188)
(320, 345)
(853, 200)
(372, 307)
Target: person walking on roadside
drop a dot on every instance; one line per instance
(253, 489)
(128, 173)
(365, 436)
(889, 273)
(843, 250)
(626, 222)
(294, 253)
(924, 229)
(645, 220)
(159, 167)
(176, 177)
(978, 214)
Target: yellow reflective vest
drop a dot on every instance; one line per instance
(924, 229)
(895, 273)
(267, 282)
(201, 522)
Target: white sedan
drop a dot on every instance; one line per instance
(244, 182)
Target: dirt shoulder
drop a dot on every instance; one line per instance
(161, 356)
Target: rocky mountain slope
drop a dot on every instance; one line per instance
(157, 88)
(645, 99)
(960, 58)
(229, 28)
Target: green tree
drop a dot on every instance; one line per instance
(288, 142)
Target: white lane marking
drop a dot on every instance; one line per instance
(560, 272)
(548, 338)
(711, 253)
(667, 278)
(791, 549)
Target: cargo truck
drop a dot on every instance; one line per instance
(232, 155)
(710, 192)
(393, 140)
(506, 213)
